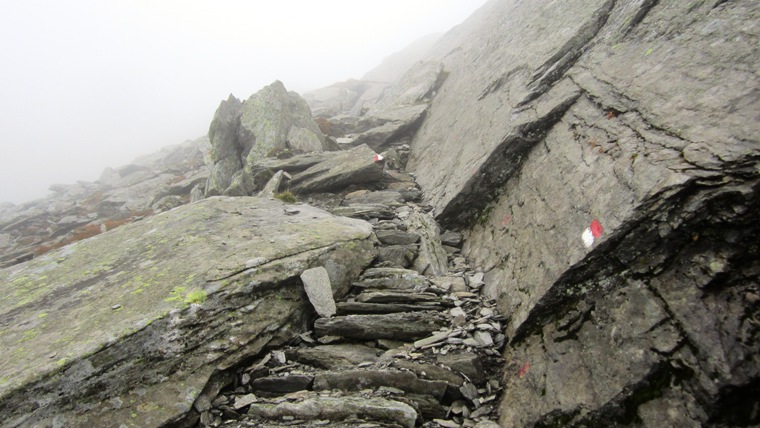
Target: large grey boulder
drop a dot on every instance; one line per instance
(128, 326)
(275, 119)
(226, 153)
(271, 122)
(639, 115)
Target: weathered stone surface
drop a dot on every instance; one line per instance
(333, 357)
(432, 258)
(397, 123)
(339, 170)
(275, 119)
(145, 313)
(398, 326)
(466, 363)
(654, 136)
(355, 380)
(398, 255)
(365, 211)
(397, 296)
(431, 371)
(282, 384)
(272, 121)
(397, 237)
(77, 211)
(316, 282)
(392, 278)
(226, 156)
(389, 198)
(275, 184)
(345, 308)
(340, 408)
(453, 239)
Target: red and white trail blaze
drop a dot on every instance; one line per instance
(592, 233)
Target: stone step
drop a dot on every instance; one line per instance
(348, 308)
(397, 326)
(333, 357)
(365, 211)
(392, 278)
(401, 296)
(338, 409)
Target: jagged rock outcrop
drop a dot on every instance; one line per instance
(271, 122)
(639, 118)
(132, 325)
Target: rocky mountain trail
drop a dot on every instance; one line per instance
(405, 347)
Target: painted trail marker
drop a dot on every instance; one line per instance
(592, 233)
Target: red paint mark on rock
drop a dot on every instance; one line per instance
(506, 219)
(523, 370)
(378, 158)
(596, 228)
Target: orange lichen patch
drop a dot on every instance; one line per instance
(90, 230)
(523, 370)
(324, 125)
(177, 179)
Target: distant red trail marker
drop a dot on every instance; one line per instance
(506, 219)
(523, 370)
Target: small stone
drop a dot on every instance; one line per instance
(471, 342)
(245, 378)
(390, 390)
(328, 339)
(218, 401)
(316, 282)
(453, 239)
(115, 307)
(435, 338)
(243, 401)
(458, 317)
(279, 356)
(291, 211)
(446, 424)
(458, 407)
(469, 391)
(752, 297)
(483, 338)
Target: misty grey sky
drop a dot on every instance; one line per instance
(90, 84)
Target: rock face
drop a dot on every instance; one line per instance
(636, 121)
(130, 325)
(270, 122)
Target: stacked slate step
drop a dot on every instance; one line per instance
(413, 344)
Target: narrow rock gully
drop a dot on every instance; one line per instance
(412, 344)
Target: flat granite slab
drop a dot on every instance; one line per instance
(128, 326)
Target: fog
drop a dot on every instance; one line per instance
(90, 84)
